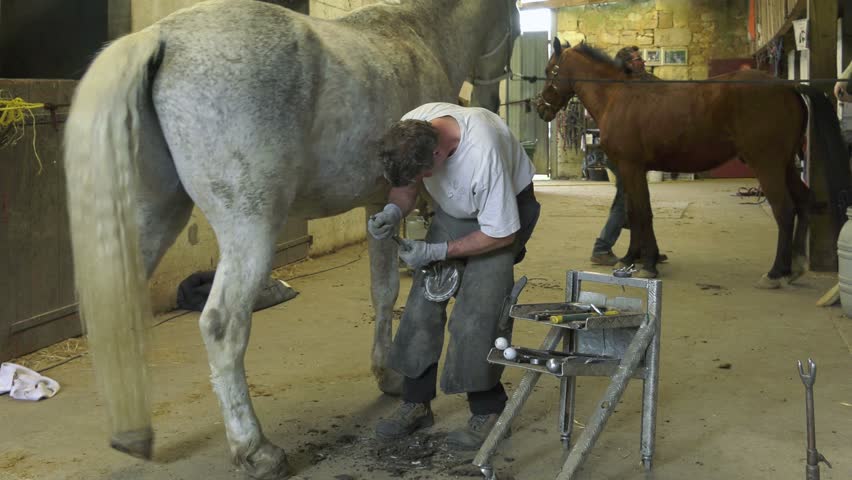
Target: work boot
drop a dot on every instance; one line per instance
(604, 258)
(408, 418)
(471, 437)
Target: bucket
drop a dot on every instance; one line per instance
(844, 261)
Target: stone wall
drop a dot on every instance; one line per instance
(708, 29)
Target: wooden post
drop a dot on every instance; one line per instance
(822, 15)
(846, 7)
(118, 18)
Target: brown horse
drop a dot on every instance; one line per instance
(693, 128)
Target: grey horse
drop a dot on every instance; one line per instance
(253, 113)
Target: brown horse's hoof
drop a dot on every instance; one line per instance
(645, 274)
(767, 283)
(800, 267)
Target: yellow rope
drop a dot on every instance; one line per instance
(13, 113)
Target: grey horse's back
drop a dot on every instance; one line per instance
(235, 85)
(317, 92)
(237, 47)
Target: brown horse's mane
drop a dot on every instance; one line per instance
(598, 55)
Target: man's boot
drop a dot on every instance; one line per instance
(604, 258)
(472, 437)
(407, 419)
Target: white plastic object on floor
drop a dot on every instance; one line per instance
(22, 383)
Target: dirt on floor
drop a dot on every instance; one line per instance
(731, 404)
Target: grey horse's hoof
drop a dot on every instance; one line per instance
(138, 443)
(268, 462)
(767, 283)
(642, 273)
(390, 381)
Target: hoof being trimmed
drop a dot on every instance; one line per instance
(390, 382)
(767, 283)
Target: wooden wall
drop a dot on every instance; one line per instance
(37, 296)
(775, 17)
(37, 303)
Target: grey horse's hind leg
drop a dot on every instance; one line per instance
(161, 220)
(163, 206)
(246, 246)
(384, 285)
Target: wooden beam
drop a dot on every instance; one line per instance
(560, 3)
(822, 38)
(846, 7)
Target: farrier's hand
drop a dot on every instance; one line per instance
(417, 253)
(385, 223)
(841, 93)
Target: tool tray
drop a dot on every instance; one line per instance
(570, 364)
(598, 354)
(576, 316)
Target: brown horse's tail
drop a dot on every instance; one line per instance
(827, 138)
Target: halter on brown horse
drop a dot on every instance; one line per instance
(693, 128)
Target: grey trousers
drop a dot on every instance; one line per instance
(476, 319)
(616, 220)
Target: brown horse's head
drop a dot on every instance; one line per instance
(557, 91)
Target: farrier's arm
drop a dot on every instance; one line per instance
(476, 243)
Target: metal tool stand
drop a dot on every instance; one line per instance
(620, 345)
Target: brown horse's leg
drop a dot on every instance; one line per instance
(774, 183)
(643, 242)
(802, 201)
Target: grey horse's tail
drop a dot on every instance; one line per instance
(101, 142)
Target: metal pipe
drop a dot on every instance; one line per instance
(567, 395)
(652, 375)
(634, 353)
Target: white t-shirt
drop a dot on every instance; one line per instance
(486, 172)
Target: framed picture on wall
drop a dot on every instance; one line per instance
(674, 56)
(652, 56)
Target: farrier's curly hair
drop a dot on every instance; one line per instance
(406, 150)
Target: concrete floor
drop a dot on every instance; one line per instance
(308, 365)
